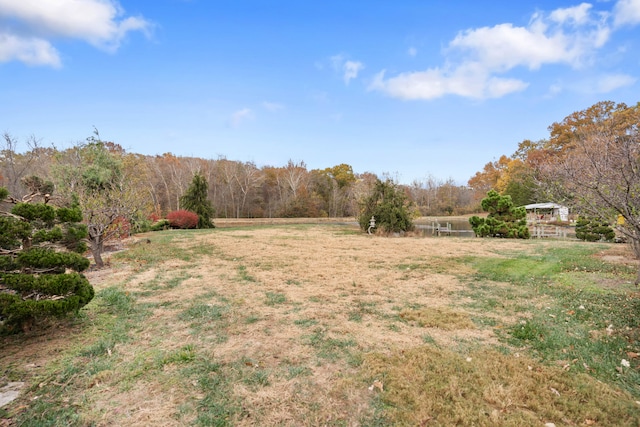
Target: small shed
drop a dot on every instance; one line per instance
(547, 212)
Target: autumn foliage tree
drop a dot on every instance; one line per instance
(40, 262)
(514, 175)
(597, 167)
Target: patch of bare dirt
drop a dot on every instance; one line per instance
(620, 253)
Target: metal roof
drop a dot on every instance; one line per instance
(544, 206)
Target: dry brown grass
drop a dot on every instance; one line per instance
(300, 320)
(432, 386)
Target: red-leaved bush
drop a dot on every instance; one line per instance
(121, 228)
(154, 217)
(182, 219)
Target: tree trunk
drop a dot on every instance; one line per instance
(635, 244)
(96, 250)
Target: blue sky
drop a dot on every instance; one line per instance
(412, 88)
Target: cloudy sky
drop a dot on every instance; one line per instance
(412, 88)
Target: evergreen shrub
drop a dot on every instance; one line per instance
(40, 264)
(593, 230)
(390, 207)
(503, 220)
(196, 200)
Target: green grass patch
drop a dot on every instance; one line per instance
(244, 275)
(587, 332)
(355, 316)
(581, 321)
(219, 406)
(176, 280)
(115, 300)
(201, 312)
(184, 354)
(164, 246)
(116, 315)
(294, 371)
(305, 323)
(251, 319)
(547, 264)
(275, 298)
(328, 347)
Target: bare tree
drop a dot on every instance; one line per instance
(599, 173)
(248, 177)
(15, 166)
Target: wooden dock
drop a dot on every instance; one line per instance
(444, 230)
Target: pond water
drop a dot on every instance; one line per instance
(458, 227)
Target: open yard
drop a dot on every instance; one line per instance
(321, 324)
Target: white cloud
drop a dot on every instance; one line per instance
(595, 85)
(626, 12)
(477, 59)
(554, 90)
(100, 23)
(337, 61)
(31, 51)
(577, 14)
(272, 106)
(504, 46)
(611, 82)
(240, 117)
(351, 70)
(467, 81)
(348, 69)
(412, 52)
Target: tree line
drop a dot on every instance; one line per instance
(236, 189)
(243, 190)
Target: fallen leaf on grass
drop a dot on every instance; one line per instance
(376, 385)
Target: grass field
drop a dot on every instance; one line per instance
(322, 325)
